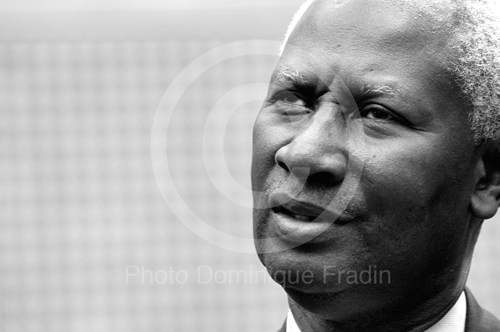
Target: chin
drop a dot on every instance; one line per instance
(346, 303)
(328, 292)
(303, 271)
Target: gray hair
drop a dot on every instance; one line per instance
(475, 60)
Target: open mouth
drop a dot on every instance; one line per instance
(300, 217)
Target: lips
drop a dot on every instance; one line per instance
(302, 211)
(300, 217)
(298, 222)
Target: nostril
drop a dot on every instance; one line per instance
(312, 162)
(323, 178)
(282, 165)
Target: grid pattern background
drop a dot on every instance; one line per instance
(80, 202)
(80, 207)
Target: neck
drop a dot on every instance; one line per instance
(418, 319)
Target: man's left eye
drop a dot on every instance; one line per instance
(377, 113)
(290, 98)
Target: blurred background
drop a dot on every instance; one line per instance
(92, 236)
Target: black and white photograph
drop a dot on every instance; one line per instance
(249, 165)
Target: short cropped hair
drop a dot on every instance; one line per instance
(474, 56)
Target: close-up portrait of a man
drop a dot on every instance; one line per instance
(376, 161)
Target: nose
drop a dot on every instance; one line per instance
(317, 151)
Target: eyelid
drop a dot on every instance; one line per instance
(376, 107)
(281, 94)
(394, 116)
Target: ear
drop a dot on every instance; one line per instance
(485, 199)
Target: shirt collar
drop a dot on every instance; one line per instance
(453, 321)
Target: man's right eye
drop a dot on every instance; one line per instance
(290, 98)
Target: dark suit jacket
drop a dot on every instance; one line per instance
(477, 320)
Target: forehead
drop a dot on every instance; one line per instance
(389, 26)
(375, 41)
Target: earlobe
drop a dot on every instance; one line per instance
(485, 199)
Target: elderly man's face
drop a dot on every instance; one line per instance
(408, 163)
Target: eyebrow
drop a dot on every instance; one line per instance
(379, 90)
(286, 74)
(296, 78)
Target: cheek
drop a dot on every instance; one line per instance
(419, 200)
(266, 142)
(421, 172)
(268, 134)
